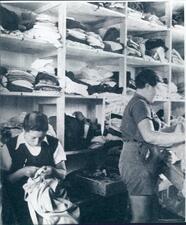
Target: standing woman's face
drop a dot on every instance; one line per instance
(151, 91)
(34, 138)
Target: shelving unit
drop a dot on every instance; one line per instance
(21, 51)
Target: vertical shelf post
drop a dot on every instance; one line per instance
(61, 65)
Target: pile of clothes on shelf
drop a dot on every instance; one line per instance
(41, 76)
(78, 35)
(92, 81)
(149, 49)
(143, 10)
(29, 25)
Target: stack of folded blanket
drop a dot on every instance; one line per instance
(19, 80)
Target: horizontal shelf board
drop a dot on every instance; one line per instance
(28, 45)
(31, 94)
(83, 97)
(91, 54)
(178, 34)
(178, 100)
(177, 67)
(139, 62)
(38, 7)
(134, 24)
(86, 12)
(161, 100)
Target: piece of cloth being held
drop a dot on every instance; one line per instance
(46, 206)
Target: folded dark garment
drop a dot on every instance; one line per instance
(117, 116)
(101, 88)
(155, 43)
(75, 24)
(17, 88)
(46, 76)
(8, 19)
(3, 70)
(112, 34)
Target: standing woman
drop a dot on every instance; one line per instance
(25, 154)
(139, 167)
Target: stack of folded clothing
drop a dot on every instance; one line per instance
(19, 80)
(78, 33)
(111, 40)
(45, 29)
(174, 91)
(176, 57)
(46, 82)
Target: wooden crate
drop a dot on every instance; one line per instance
(103, 187)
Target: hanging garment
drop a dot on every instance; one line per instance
(48, 202)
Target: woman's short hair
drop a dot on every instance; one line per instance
(146, 76)
(36, 121)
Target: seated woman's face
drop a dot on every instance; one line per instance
(34, 138)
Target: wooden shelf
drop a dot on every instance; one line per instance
(177, 100)
(177, 68)
(139, 62)
(31, 94)
(143, 25)
(79, 97)
(36, 7)
(88, 13)
(178, 34)
(26, 45)
(91, 54)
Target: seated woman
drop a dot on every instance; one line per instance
(23, 155)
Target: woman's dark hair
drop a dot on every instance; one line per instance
(36, 121)
(146, 76)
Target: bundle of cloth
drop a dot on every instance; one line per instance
(92, 81)
(149, 49)
(143, 10)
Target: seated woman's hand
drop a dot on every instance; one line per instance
(30, 171)
(47, 171)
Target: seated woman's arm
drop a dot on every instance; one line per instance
(27, 171)
(159, 138)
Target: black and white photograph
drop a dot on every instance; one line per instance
(92, 112)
